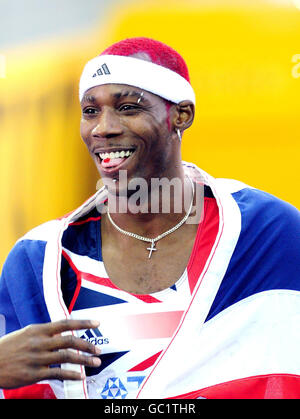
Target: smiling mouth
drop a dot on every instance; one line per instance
(110, 161)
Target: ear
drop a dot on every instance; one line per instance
(184, 115)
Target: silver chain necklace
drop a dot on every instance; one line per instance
(153, 241)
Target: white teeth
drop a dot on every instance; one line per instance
(115, 155)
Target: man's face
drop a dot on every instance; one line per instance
(131, 122)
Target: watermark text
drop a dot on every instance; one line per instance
(157, 196)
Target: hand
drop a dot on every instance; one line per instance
(25, 355)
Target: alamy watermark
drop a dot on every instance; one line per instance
(159, 195)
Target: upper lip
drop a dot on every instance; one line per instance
(113, 149)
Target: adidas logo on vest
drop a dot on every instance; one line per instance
(94, 336)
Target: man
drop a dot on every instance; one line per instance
(197, 301)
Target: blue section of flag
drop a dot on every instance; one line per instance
(267, 253)
(88, 298)
(84, 239)
(106, 360)
(21, 286)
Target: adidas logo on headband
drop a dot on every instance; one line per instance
(104, 69)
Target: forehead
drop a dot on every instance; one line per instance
(119, 91)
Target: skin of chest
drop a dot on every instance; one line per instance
(129, 267)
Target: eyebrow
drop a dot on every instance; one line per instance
(133, 93)
(118, 95)
(89, 98)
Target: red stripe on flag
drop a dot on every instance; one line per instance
(271, 386)
(146, 364)
(76, 223)
(205, 239)
(35, 391)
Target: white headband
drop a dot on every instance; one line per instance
(116, 69)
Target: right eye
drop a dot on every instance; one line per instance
(89, 111)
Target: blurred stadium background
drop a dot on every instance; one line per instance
(244, 60)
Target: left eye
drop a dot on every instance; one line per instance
(128, 108)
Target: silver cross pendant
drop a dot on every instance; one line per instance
(151, 249)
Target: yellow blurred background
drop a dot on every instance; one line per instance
(244, 61)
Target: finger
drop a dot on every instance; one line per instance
(68, 325)
(65, 356)
(72, 342)
(61, 374)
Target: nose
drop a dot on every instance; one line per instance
(108, 125)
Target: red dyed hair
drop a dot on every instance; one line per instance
(158, 52)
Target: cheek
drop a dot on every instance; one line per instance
(143, 130)
(82, 129)
(85, 131)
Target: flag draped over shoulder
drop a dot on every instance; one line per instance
(239, 335)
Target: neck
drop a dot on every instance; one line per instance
(153, 209)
